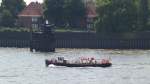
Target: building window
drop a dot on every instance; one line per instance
(90, 20)
(34, 19)
(34, 25)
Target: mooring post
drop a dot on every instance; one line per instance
(44, 40)
(31, 48)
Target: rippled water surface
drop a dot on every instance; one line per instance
(19, 66)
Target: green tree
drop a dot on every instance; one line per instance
(64, 11)
(143, 14)
(116, 16)
(75, 12)
(7, 19)
(11, 8)
(54, 11)
(0, 15)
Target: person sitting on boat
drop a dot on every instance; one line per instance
(105, 61)
(60, 59)
(92, 60)
(84, 60)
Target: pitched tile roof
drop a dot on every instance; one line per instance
(33, 9)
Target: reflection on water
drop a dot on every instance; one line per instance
(19, 66)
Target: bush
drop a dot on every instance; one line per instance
(14, 29)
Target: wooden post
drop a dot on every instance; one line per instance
(31, 45)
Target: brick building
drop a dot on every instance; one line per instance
(31, 16)
(90, 13)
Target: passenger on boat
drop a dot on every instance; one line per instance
(105, 61)
(92, 60)
(88, 60)
(84, 60)
(60, 59)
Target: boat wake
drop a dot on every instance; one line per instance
(51, 65)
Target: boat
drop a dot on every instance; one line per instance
(62, 62)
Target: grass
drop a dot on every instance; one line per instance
(22, 29)
(71, 30)
(15, 29)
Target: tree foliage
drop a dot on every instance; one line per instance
(10, 10)
(143, 14)
(7, 18)
(54, 10)
(64, 11)
(74, 11)
(121, 15)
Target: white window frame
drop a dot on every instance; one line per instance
(34, 19)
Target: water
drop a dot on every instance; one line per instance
(19, 66)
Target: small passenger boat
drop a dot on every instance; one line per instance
(89, 63)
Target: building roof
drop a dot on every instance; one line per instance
(33, 9)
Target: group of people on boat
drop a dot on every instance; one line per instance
(92, 60)
(83, 60)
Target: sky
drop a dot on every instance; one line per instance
(28, 1)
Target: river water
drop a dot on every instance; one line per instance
(19, 66)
